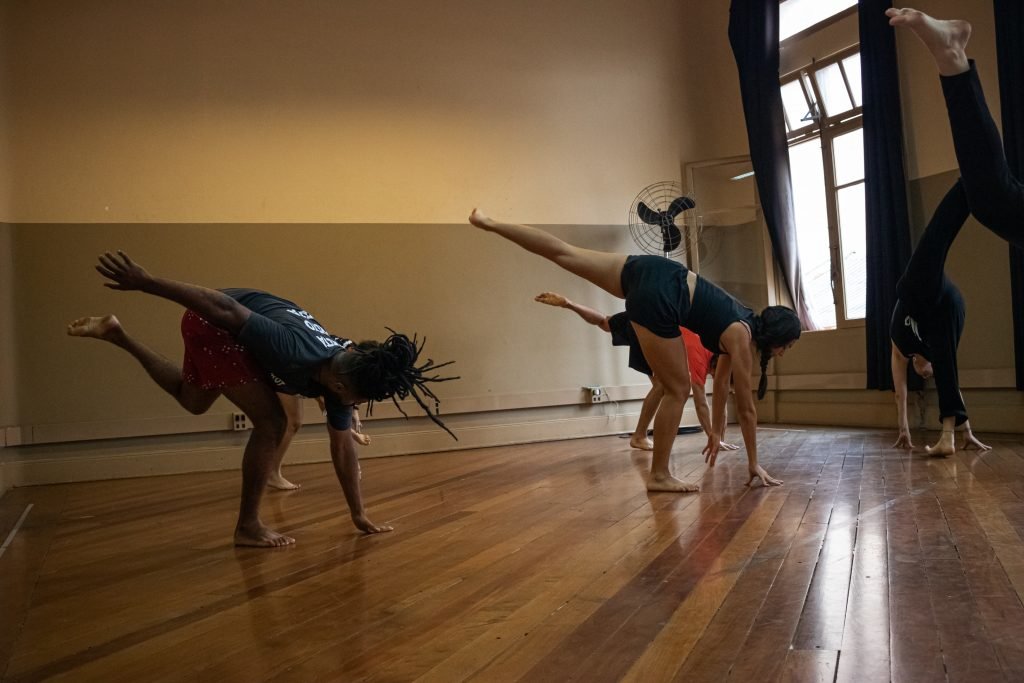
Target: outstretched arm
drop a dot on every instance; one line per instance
(216, 307)
(588, 314)
(899, 364)
(346, 467)
(736, 363)
(700, 404)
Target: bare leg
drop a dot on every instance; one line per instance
(946, 445)
(259, 402)
(165, 373)
(648, 409)
(945, 39)
(598, 267)
(292, 406)
(667, 358)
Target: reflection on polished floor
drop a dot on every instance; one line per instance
(541, 562)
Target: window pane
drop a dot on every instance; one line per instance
(833, 90)
(795, 104)
(796, 15)
(808, 177)
(848, 157)
(851, 236)
(852, 67)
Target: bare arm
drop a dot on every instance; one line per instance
(346, 467)
(216, 307)
(899, 364)
(700, 404)
(588, 314)
(718, 401)
(736, 342)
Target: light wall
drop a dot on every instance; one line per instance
(328, 152)
(181, 111)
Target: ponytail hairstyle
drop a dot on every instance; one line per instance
(378, 371)
(776, 326)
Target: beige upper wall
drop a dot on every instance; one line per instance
(5, 103)
(307, 111)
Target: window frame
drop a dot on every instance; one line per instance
(827, 128)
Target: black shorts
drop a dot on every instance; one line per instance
(657, 295)
(623, 334)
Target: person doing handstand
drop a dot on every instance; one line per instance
(251, 347)
(927, 323)
(662, 295)
(699, 359)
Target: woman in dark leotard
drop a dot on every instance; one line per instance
(661, 296)
(927, 323)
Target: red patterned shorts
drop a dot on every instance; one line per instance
(213, 358)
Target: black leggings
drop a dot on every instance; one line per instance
(995, 197)
(935, 303)
(924, 280)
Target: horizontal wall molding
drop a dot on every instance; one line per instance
(71, 432)
(92, 461)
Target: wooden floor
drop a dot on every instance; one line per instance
(544, 562)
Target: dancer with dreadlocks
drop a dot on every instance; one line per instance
(698, 358)
(662, 296)
(248, 345)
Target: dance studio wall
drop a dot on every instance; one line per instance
(330, 152)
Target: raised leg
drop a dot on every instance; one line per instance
(165, 373)
(923, 281)
(995, 196)
(597, 267)
(667, 357)
(259, 402)
(292, 406)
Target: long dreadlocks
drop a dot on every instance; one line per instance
(381, 370)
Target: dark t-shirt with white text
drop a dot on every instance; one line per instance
(291, 346)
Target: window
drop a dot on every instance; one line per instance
(822, 106)
(799, 15)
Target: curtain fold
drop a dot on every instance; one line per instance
(754, 37)
(1009, 16)
(887, 217)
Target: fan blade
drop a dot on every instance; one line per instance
(671, 237)
(679, 205)
(647, 215)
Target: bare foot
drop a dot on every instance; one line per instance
(946, 445)
(946, 39)
(641, 443)
(108, 328)
(277, 481)
(481, 220)
(670, 484)
(261, 537)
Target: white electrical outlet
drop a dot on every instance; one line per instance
(240, 422)
(596, 394)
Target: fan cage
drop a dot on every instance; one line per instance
(658, 197)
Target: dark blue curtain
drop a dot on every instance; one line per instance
(885, 186)
(754, 36)
(1009, 15)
